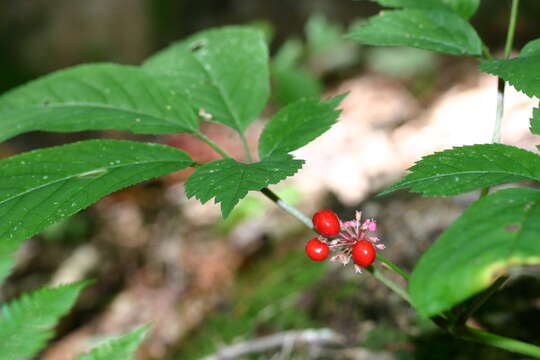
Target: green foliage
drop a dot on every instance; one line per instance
(535, 122)
(229, 180)
(41, 187)
(27, 323)
(465, 8)
(436, 29)
(297, 124)
(118, 348)
(468, 168)
(497, 232)
(91, 97)
(223, 73)
(523, 72)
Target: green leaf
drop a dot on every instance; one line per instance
(229, 181)
(321, 34)
(288, 55)
(465, 8)
(26, 324)
(297, 124)
(431, 29)
(294, 83)
(523, 72)
(121, 347)
(535, 121)
(500, 231)
(222, 72)
(41, 187)
(468, 168)
(92, 97)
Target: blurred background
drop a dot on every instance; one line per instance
(212, 286)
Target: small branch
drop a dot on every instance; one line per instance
(511, 28)
(279, 340)
(500, 342)
(245, 146)
(393, 266)
(288, 208)
(213, 145)
(389, 283)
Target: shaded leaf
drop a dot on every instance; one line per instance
(465, 8)
(40, 187)
(435, 29)
(522, 72)
(222, 72)
(535, 121)
(120, 347)
(229, 181)
(468, 168)
(92, 97)
(26, 324)
(500, 231)
(297, 124)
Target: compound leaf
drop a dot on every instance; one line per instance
(93, 97)
(297, 124)
(436, 29)
(522, 72)
(468, 168)
(499, 231)
(26, 324)
(120, 347)
(222, 72)
(228, 181)
(41, 187)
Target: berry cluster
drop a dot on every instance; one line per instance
(351, 239)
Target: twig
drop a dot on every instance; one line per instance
(279, 340)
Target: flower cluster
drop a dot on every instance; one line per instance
(350, 240)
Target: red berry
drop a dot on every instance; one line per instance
(326, 223)
(363, 253)
(317, 250)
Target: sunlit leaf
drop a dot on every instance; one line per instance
(468, 168)
(297, 124)
(522, 72)
(120, 347)
(494, 234)
(435, 29)
(26, 324)
(222, 72)
(228, 181)
(93, 97)
(40, 187)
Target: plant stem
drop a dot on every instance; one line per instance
(501, 83)
(245, 145)
(511, 28)
(213, 145)
(500, 342)
(389, 283)
(288, 208)
(393, 266)
(479, 301)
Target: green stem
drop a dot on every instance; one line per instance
(389, 283)
(213, 145)
(393, 266)
(288, 208)
(479, 301)
(511, 28)
(500, 342)
(501, 83)
(245, 145)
